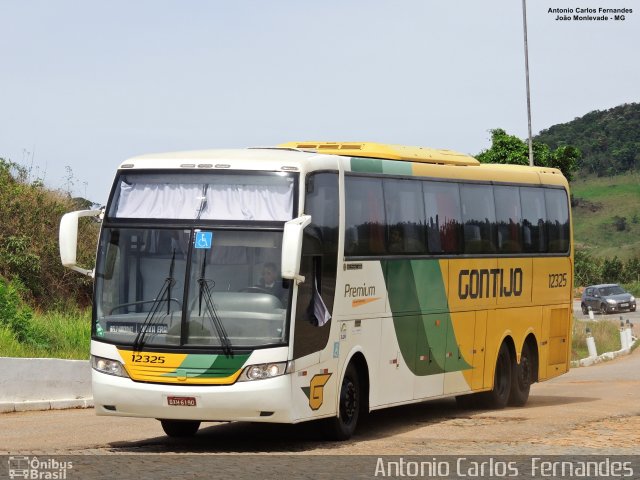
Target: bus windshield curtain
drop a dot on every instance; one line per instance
(221, 202)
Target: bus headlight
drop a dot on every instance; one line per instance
(262, 371)
(110, 367)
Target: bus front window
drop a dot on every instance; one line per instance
(202, 288)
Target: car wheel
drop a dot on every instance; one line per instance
(603, 308)
(585, 310)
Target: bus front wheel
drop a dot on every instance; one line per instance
(344, 425)
(499, 396)
(180, 428)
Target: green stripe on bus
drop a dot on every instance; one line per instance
(211, 366)
(416, 290)
(366, 165)
(376, 165)
(396, 168)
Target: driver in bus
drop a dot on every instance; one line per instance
(271, 281)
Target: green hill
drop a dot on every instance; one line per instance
(606, 215)
(609, 140)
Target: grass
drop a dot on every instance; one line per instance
(633, 288)
(605, 333)
(609, 197)
(67, 335)
(60, 334)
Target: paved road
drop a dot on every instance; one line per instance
(589, 411)
(592, 410)
(633, 317)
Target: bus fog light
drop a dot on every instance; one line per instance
(110, 367)
(262, 371)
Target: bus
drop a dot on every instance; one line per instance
(322, 281)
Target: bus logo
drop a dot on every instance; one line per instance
(26, 467)
(18, 467)
(360, 295)
(315, 390)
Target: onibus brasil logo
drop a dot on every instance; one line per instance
(34, 468)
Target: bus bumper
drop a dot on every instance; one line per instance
(266, 400)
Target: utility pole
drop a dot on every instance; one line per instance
(526, 68)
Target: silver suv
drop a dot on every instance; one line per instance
(607, 298)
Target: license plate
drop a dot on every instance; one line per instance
(182, 401)
(624, 305)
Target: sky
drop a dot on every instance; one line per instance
(84, 85)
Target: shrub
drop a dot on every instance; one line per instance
(30, 216)
(17, 316)
(620, 223)
(612, 270)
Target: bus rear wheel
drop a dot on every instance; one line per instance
(344, 425)
(180, 428)
(499, 396)
(522, 378)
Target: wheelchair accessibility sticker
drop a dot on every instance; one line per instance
(203, 239)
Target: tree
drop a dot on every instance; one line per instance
(609, 140)
(509, 149)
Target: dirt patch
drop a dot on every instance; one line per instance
(619, 432)
(585, 205)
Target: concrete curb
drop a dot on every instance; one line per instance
(587, 362)
(28, 384)
(28, 406)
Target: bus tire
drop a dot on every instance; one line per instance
(344, 424)
(522, 378)
(498, 396)
(180, 428)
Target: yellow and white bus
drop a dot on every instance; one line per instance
(322, 281)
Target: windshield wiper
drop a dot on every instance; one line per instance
(163, 294)
(206, 295)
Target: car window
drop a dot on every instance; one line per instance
(613, 290)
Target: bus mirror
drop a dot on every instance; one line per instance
(292, 247)
(68, 239)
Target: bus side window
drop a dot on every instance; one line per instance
(508, 218)
(557, 220)
(533, 219)
(320, 245)
(404, 210)
(479, 217)
(365, 217)
(443, 216)
(319, 264)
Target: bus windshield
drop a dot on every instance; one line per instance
(190, 287)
